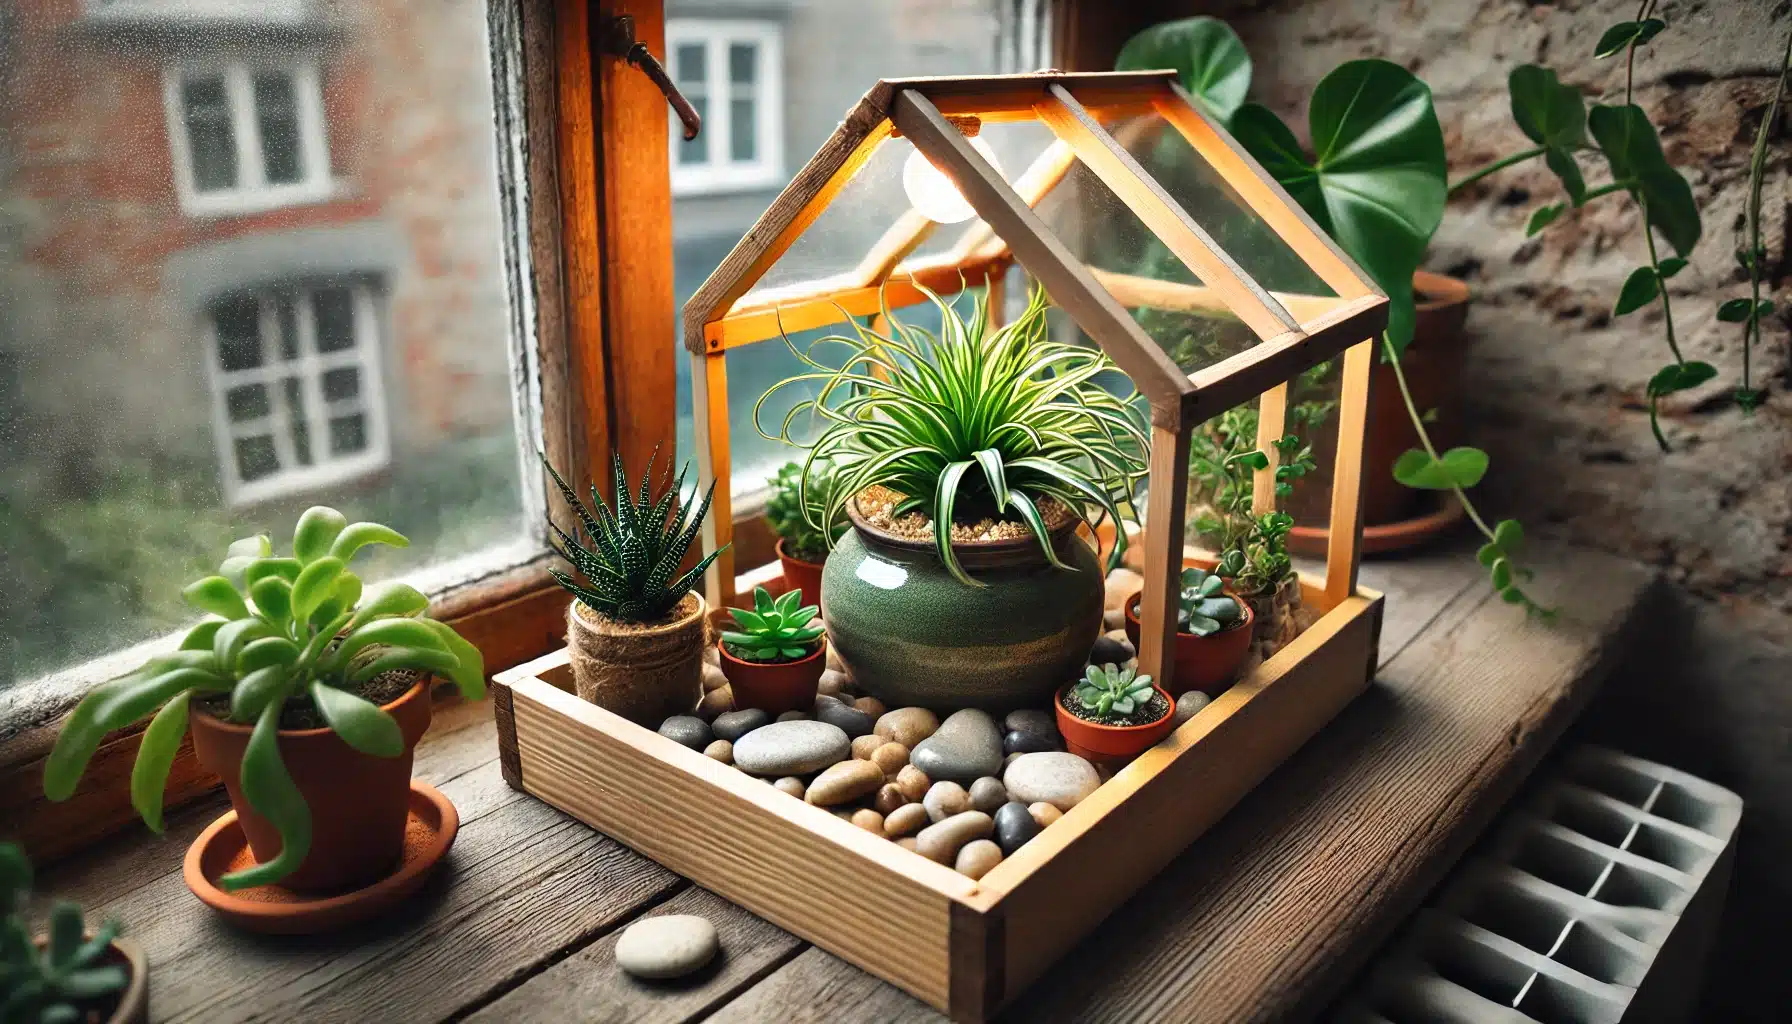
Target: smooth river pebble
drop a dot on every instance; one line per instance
(1014, 826)
(844, 782)
(944, 799)
(987, 794)
(1059, 779)
(964, 748)
(668, 946)
(791, 748)
(977, 857)
(735, 724)
(687, 730)
(942, 840)
(907, 726)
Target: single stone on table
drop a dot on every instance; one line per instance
(720, 750)
(987, 794)
(735, 724)
(942, 840)
(907, 726)
(890, 756)
(1059, 779)
(1044, 814)
(792, 785)
(844, 782)
(1108, 651)
(944, 799)
(713, 677)
(977, 857)
(851, 720)
(687, 730)
(1014, 826)
(913, 782)
(1189, 705)
(864, 746)
(668, 946)
(964, 748)
(791, 748)
(905, 820)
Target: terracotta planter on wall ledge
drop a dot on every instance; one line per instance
(1396, 517)
(359, 803)
(775, 686)
(800, 574)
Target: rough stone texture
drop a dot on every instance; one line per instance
(1555, 384)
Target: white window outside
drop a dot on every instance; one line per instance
(297, 400)
(247, 137)
(732, 72)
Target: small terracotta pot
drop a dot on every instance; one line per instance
(1205, 663)
(358, 802)
(1093, 741)
(131, 1005)
(775, 686)
(646, 674)
(800, 574)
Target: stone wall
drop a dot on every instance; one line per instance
(1555, 383)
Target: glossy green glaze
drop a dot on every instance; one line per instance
(910, 634)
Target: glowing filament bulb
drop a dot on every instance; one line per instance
(934, 194)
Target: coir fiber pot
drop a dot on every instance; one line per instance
(1093, 741)
(775, 686)
(645, 672)
(129, 1005)
(1433, 368)
(910, 634)
(800, 574)
(358, 802)
(1205, 663)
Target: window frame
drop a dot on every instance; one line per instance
(721, 174)
(366, 356)
(251, 193)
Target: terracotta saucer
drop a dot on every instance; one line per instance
(222, 848)
(1445, 515)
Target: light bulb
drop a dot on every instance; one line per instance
(934, 194)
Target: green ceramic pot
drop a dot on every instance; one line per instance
(910, 634)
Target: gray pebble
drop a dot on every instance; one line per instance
(964, 748)
(850, 720)
(668, 946)
(987, 794)
(735, 724)
(1189, 704)
(688, 730)
(1108, 651)
(791, 748)
(793, 716)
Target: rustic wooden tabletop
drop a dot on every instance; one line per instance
(1267, 916)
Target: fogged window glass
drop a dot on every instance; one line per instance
(250, 261)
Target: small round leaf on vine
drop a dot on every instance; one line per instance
(1680, 377)
(1627, 33)
(1640, 289)
(1457, 468)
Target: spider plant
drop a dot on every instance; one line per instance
(973, 420)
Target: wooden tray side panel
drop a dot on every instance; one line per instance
(1113, 843)
(859, 896)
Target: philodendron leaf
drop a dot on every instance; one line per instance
(1631, 147)
(216, 596)
(1737, 311)
(270, 790)
(316, 532)
(1680, 377)
(1376, 183)
(1458, 467)
(1208, 58)
(1615, 39)
(1640, 289)
(360, 723)
(1542, 217)
(358, 535)
(1554, 116)
(149, 774)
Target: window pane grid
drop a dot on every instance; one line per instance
(248, 137)
(729, 71)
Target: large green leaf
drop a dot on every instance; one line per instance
(149, 773)
(1376, 182)
(1554, 116)
(1207, 55)
(270, 790)
(1631, 147)
(360, 722)
(315, 532)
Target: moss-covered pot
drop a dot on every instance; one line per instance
(910, 634)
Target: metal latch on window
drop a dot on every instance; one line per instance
(616, 38)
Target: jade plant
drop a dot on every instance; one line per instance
(629, 554)
(775, 630)
(279, 628)
(1110, 691)
(63, 981)
(974, 421)
(796, 503)
(1201, 607)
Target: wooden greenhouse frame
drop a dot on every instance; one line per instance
(970, 946)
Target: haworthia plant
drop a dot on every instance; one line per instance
(277, 628)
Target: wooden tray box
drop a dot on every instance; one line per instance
(966, 947)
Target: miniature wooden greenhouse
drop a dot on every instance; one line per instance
(1155, 238)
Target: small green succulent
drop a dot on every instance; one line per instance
(774, 630)
(1202, 609)
(793, 506)
(1112, 690)
(59, 983)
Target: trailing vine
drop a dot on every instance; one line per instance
(1752, 254)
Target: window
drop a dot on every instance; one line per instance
(247, 137)
(732, 72)
(296, 395)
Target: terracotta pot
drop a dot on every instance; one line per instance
(911, 634)
(775, 686)
(1433, 365)
(358, 802)
(131, 1004)
(801, 575)
(1205, 663)
(1096, 742)
(645, 673)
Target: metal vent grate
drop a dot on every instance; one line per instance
(1559, 916)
